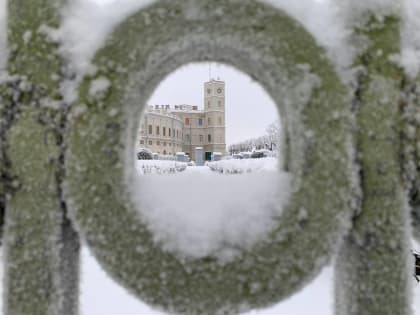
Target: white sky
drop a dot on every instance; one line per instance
(249, 109)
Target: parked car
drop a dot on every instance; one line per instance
(246, 155)
(181, 157)
(257, 155)
(144, 154)
(216, 156)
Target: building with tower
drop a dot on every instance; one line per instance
(167, 129)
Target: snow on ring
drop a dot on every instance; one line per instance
(271, 47)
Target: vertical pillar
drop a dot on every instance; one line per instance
(373, 269)
(41, 248)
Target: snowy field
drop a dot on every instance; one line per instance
(194, 213)
(100, 295)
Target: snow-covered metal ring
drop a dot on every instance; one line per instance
(275, 50)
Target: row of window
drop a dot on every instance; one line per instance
(171, 133)
(150, 142)
(219, 104)
(187, 121)
(187, 138)
(200, 121)
(201, 137)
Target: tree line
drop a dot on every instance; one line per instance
(269, 141)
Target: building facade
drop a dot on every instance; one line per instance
(166, 129)
(161, 131)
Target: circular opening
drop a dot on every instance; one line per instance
(309, 95)
(208, 153)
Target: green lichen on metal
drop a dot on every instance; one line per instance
(5, 120)
(260, 41)
(373, 270)
(41, 248)
(411, 149)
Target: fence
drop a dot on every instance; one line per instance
(65, 167)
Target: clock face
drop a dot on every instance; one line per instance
(219, 90)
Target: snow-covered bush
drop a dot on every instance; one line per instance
(239, 166)
(144, 154)
(159, 167)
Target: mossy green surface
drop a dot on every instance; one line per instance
(294, 70)
(41, 249)
(411, 149)
(373, 270)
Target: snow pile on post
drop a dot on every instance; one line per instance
(411, 38)
(85, 26)
(322, 20)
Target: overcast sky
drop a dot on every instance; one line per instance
(249, 109)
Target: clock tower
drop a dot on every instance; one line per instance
(214, 107)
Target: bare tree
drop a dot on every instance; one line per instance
(270, 140)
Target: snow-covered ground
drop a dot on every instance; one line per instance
(100, 295)
(198, 185)
(194, 213)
